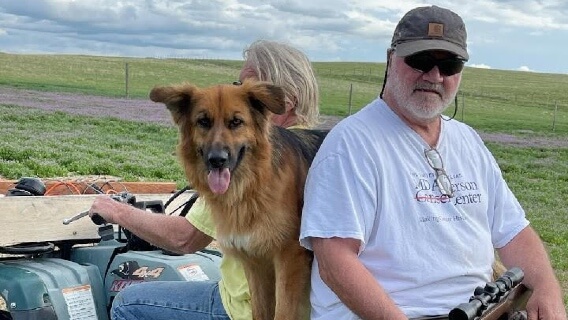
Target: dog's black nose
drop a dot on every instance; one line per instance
(218, 158)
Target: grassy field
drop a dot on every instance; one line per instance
(38, 143)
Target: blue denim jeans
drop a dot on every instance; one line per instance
(169, 300)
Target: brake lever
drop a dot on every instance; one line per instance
(97, 219)
(75, 217)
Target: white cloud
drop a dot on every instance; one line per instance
(479, 66)
(524, 68)
(523, 13)
(330, 30)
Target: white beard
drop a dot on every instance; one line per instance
(416, 104)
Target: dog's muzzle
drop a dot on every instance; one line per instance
(220, 163)
(217, 158)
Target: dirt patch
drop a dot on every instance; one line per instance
(512, 140)
(145, 110)
(126, 109)
(327, 122)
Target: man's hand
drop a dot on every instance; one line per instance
(527, 251)
(108, 208)
(543, 305)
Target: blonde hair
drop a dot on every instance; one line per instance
(289, 68)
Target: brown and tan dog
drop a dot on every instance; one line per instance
(251, 174)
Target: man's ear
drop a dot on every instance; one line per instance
(266, 96)
(176, 98)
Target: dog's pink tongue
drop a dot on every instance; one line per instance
(219, 180)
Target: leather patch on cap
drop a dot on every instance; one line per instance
(435, 29)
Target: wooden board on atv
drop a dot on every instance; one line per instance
(28, 219)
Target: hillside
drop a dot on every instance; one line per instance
(509, 102)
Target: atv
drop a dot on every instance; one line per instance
(78, 279)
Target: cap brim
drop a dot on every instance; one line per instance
(411, 47)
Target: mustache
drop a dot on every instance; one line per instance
(438, 88)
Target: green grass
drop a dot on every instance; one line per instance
(57, 145)
(106, 76)
(539, 179)
(42, 144)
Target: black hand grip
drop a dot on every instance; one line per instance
(98, 220)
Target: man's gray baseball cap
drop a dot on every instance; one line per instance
(430, 28)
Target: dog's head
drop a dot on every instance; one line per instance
(221, 128)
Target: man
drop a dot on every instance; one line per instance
(270, 61)
(403, 207)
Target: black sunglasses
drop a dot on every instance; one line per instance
(424, 62)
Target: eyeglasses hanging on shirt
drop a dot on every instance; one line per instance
(442, 179)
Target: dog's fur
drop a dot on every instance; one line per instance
(251, 174)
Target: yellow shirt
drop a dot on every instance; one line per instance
(233, 285)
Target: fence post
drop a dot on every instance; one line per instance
(126, 79)
(554, 118)
(463, 105)
(350, 96)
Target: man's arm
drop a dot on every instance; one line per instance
(173, 233)
(527, 251)
(341, 269)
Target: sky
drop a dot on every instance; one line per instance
(523, 35)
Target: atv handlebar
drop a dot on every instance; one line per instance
(124, 197)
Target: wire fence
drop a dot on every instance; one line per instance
(531, 100)
(493, 104)
(491, 111)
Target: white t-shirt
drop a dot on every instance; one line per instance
(371, 181)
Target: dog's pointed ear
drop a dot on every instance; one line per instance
(176, 98)
(263, 95)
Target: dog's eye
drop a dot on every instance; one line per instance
(235, 123)
(204, 123)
